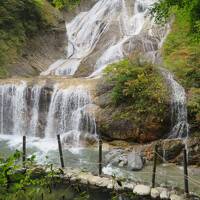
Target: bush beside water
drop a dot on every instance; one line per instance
(139, 101)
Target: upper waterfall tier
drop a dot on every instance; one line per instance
(110, 30)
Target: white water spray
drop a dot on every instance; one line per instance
(35, 98)
(68, 114)
(180, 126)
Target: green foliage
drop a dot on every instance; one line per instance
(14, 184)
(33, 182)
(7, 167)
(181, 53)
(20, 20)
(194, 109)
(163, 9)
(139, 87)
(65, 4)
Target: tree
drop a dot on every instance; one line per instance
(163, 9)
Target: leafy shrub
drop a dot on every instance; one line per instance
(64, 4)
(193, 77)
(181, 53)
(139, 87)
(163, 9)
(33, 182)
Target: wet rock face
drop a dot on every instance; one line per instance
(172, 150)
(87, 65)
(123, 129)
(45, 99)
(112, 127)
(40, 52)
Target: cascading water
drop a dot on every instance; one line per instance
(85, 31)
(180, 126)
(130, 24)
(68, 114)
(35, 98)
(15, 115)
(13, 108)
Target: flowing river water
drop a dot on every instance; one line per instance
(107, 33)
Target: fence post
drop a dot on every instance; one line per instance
(60, 151)
(100, 157)
(154, 165)
(186, 186)
(24, 151)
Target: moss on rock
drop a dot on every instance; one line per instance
(137, 102)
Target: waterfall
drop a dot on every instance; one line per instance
(86, 29)
(180, 126)
(68, 111)
(68, 114)
(13, 108)
(35, 98)
(15, 116)
(130, 25)
(83, 32)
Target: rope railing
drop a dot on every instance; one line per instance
(100, 163)
(186, 177)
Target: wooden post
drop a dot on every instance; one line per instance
(60, 151)
(100, 157)
(154, 165)
(24, 151)
(186, 186)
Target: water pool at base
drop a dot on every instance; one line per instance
(86, 158)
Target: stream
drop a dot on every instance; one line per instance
(86, 159)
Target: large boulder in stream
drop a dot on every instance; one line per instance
(121, 158)
(135, 161)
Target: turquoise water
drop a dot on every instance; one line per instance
(87, 158)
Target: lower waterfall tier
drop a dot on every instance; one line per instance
(45, 112)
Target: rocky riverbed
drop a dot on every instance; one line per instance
(169, 150)
(111, 184)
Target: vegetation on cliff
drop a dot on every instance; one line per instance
(139, 93)
(64, 4)
(19, 21)
(135, 84)
(181, 50)
(163, 10)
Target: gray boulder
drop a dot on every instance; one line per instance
(113, 154)
(135, 161)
